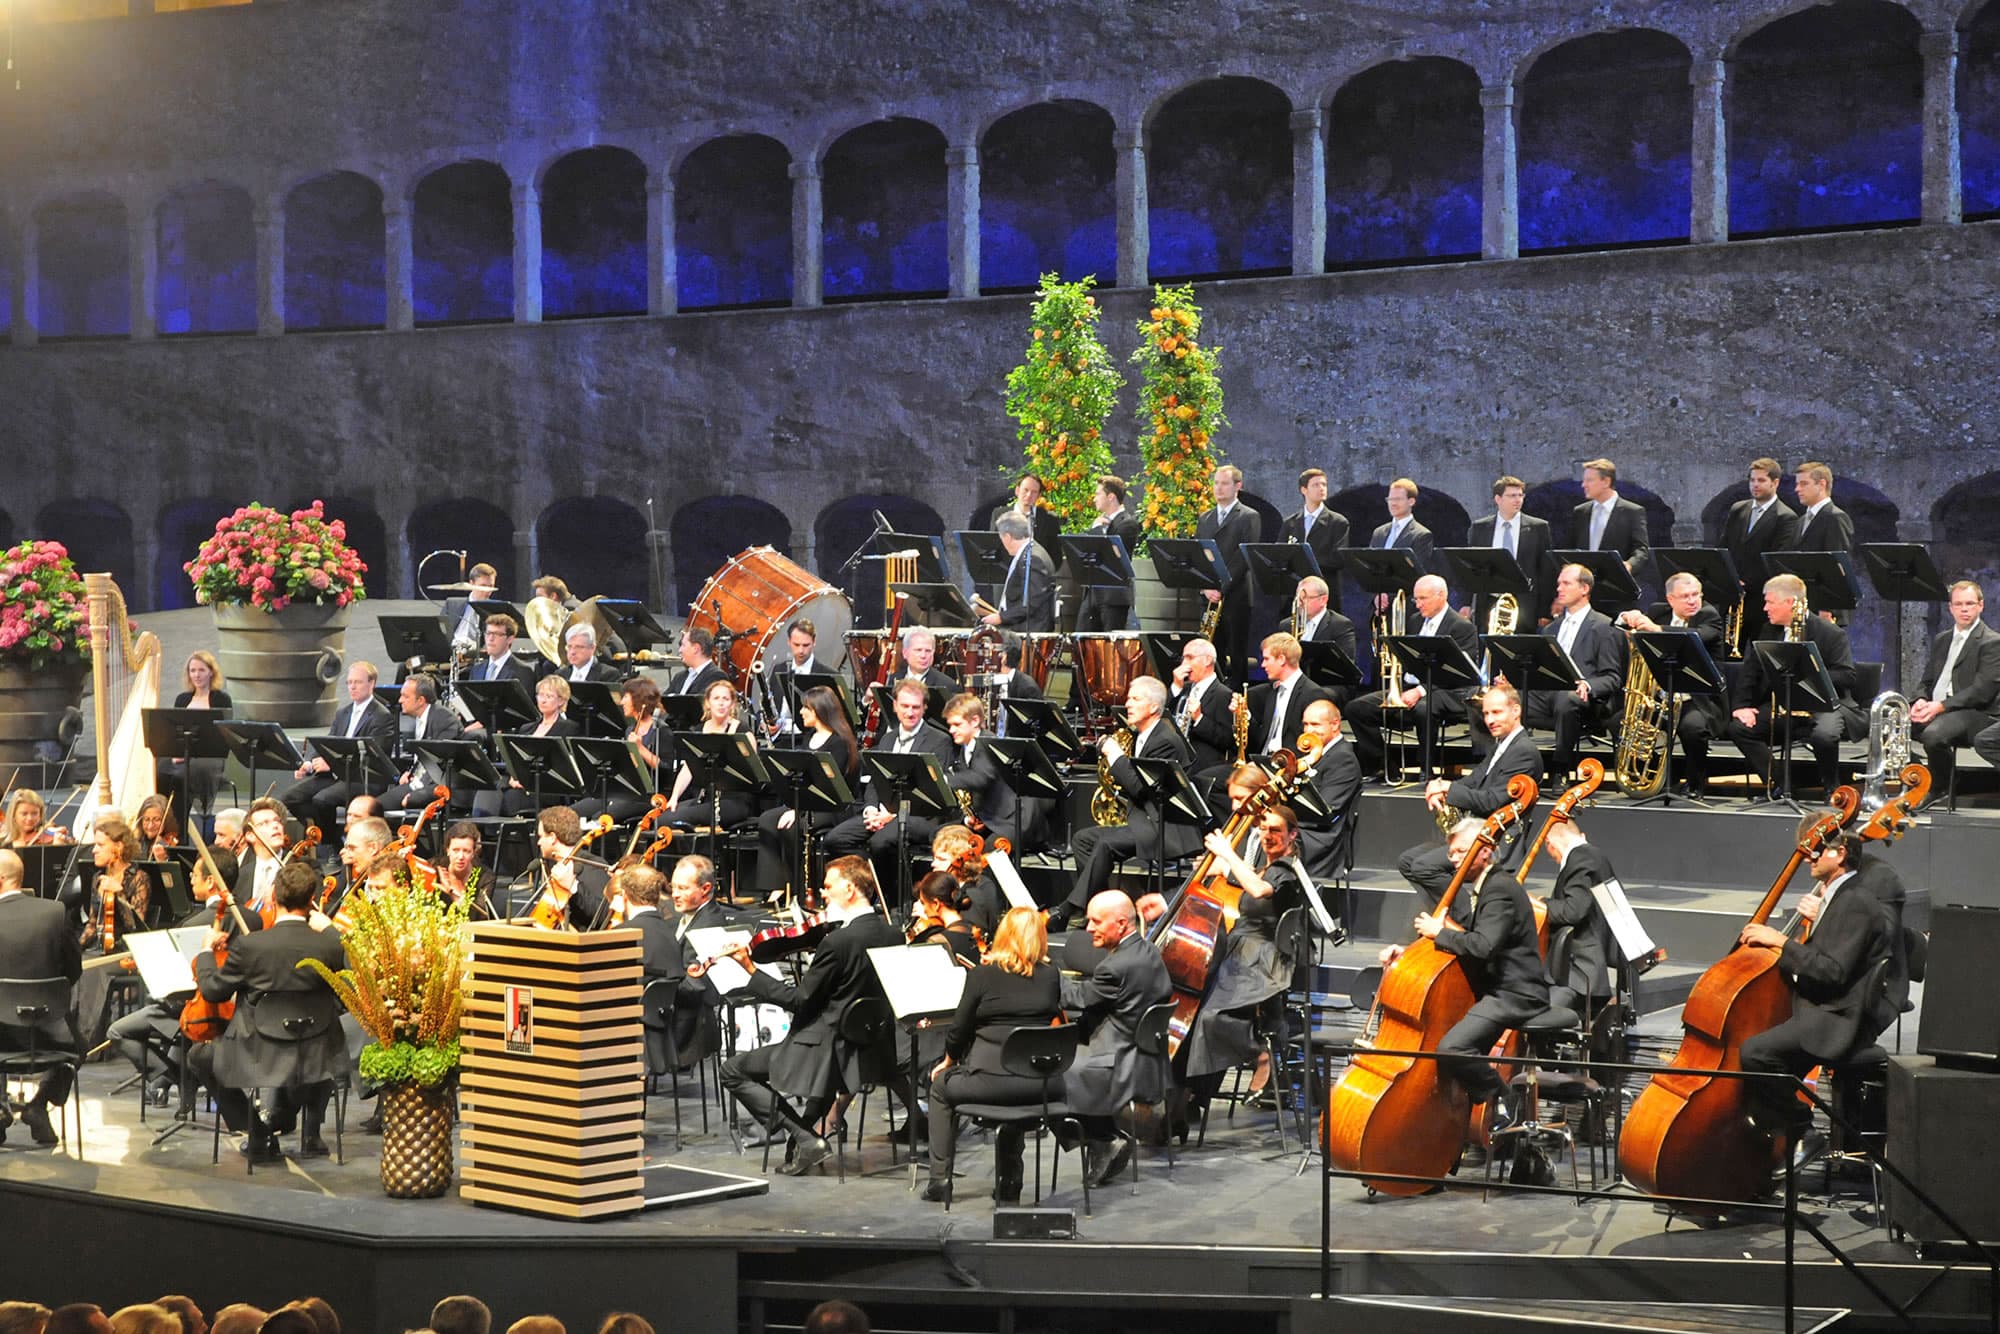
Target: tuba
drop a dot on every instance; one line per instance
(1106, 806)
(1504, 616)
(546, 618)
(1646, 730)
(1888, 749)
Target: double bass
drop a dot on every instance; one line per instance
(1403, 1114)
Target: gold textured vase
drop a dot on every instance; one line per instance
(416, 1141)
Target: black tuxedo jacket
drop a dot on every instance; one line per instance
(1778, 530)
(1498, 945)
(37, 941)
(1209, 736)
(1754, 689)
(1143, 818)
(1462, 633)
(440, 724)
(1975, 677)
(1624, 533)
(377, 721)
(1262, 695)
(1032, 612)
(261, 964)
(929, 740)
(1415, 538)
(1336, 780)
(694, 682)
(1830, 1010)
(518, 668)
(1707, 623)
(1125, 527)
(1329, 535)
(1829, 530)
(1333, 628)
(1570, 904)
(807, 1063)
(1598, 652)
(1047, 530)
(600, 671)
(992, 795)
(1484, 790)
(1532, 545)
(1244, 526)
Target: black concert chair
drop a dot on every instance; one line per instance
(1858, 1092)
(35, 1012)
(867, 1029)
(1045, 1053)
(1154, 1076)
(663, 1053)
(1555, 1028)
(294, 1017)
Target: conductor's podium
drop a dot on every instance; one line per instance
(553, 1098)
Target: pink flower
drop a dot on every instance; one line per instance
(318, 580)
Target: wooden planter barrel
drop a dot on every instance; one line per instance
(32, 705)
(282, 667)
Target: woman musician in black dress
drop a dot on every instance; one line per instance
(690, 802)
(551, 719)
(824, 722)
(640, 698)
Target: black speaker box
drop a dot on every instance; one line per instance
(1961, 1015)
(1940, 1120)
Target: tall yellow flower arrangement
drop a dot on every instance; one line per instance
(1060, 396)
(1180, 411)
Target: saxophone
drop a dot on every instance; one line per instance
(1888, 748)
(1106, 806)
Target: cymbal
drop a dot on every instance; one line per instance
(460, 587)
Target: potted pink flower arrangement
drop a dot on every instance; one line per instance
(279, 587)
(44, 645)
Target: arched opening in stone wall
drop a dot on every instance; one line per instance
(1979, 113)
(733, 224)
(1219, 181)
(180, 530)
(596, 545)
(84, 268)
(1825, 114)
(844, 525)
(366, 533)
(207, 279)
(1965, 533)
(594, 234)
(981, 518)
(1604, 142)
(462, 245)
(1404, 152)
(1556, 500)
(882, 195)
(1047, 197)
(705, 533)
(479, 528)
(334, 254)
(98, 534)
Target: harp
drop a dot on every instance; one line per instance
(121, 689)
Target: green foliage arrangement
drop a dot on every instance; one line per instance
(404, 982)
(1061, 395)
(1180, 410)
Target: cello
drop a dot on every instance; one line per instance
(1191, 929)
(1688, 1134)
(1402, 1114)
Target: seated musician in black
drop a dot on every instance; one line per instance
(1253, 968)
(1481, 792)
(691, 800)
(571, 878)
(261, 964)
(1130, 978)
(962, 853)
(1502, 961)
(668, 952)
(1848, 931)
(808, 1064)
(878, 828)
(1015, 987)
(1592, 951)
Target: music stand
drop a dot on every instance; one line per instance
(798, 683)
(170, 884)
(1438, 662)
(360, 762)
(722, 760)
(1278, 568)
(1830, 578)
(500, 706)
(986, 560)
(941, 606)
(1532, 662)
(1325, 664)
(1613, 589)
(593, 706)
(633, 624)
(815, 786)
(47, 867)
(1162, 783)
(1184, 563)
(1721, 582)
(547, 761)
(1680, 662)
(1384, 571)
(1038, 720)
(907, 783)
(1099, 560)
(391, 698)
(682, 713)
(420, 639)
(463, 764)
(605, 763)
(250, 742)
(1491, 571)
(1903, 572)
(1801, 671)
(1163, 650)
(184, 735)
(1026, 765)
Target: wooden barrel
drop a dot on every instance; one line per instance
(283, 667)
(32, 705)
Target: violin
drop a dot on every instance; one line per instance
(550, 910)
(51, 836)
(772, 943)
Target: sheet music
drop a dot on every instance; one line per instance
(1009, 880)
(1632, 939)
(709, 941)
(919, 979)
(727, 975)
(165, 959)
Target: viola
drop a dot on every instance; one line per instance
(1402, 1114)
(202, 1019)
(550, 910)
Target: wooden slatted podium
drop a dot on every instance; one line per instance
(556, 1130)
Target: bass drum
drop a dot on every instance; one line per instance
(757, 595)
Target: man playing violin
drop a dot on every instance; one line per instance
(575, 879)
(1502, 960)
(668, 952)
(264, 833)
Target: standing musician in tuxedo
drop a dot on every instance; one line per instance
(1427, 714)
(1606, 521)
(1598, 650)
(463, 617)
(1231, 523)
(874, 829)
(1319, 528)
(1027, 596)
(315, 793)
(1097, 848)
(1703, 717)
(301, 1073)
(1955, 701)
(36, 940)
(580, 656)
(1278, 705)
(1757, 719)
(1480, 793)
(810, 1064)
(1403, 531)
(699, 668)
(1523, 536)
(1110, 608)
(1823, 525)
(429, 722)
(1044, 526)
(1759, 524)
(1336, 781)
(1502, 958)
(1847, 933)
(1319, 623)
(500, 662)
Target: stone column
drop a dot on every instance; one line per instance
(527, 254)
(398, 280)
(1308, 191)
(1134, 239)
(1708, 220)
(1944, 192)
(1500, 223)
(527, 557)
(808, 233)
(143, 270)
(961, 217)
(269, 220)
(663, 296)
